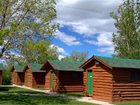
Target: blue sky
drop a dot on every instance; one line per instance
(81, 46)
(85, 26)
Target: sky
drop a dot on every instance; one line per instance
(85, 26)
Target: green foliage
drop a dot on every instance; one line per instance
(76, 56)
(38, 51)
(21, 20)
(127, 38)
(6, 77)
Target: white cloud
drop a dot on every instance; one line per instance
(67, 39)
(87, 16)
(61, 57)
(103, 39)
(61, 51)
(108, 50)
(104, 42)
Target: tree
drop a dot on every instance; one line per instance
(76, 56)
(22, 19)
(34, 52)
(38, 52)
(127, 37)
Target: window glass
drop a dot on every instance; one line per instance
(135, 76)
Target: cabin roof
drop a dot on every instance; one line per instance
(65, 65)
(35, 67)
(19, 68)
(115, 62)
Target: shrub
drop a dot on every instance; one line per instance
(6, 77)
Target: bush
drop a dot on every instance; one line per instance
(6, 77)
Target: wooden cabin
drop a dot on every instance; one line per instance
(1, 69)
(112, 79)
(17, 74)
(63, 76)
(34, 77)
(0, 76)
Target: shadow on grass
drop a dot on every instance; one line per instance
(31, 100)
(18, 90)
(4, 88)
(18, 96)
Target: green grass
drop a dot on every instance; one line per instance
(128, 103)
(31, 99)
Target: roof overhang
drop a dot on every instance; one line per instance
(46, 64)
(95, 58)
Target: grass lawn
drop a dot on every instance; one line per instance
(16, 96)
(128, 103)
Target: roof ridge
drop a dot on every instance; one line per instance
(66, 61)
(34, 63)
(117, 58)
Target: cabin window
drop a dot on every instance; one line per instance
(135, 76)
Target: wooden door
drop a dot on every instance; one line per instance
(90, 82)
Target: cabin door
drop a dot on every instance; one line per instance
(90, 82)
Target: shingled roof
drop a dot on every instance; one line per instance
(35, 67)
(19, 68)
(115, 62)
(65, 65)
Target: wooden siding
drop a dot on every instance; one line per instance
(17, 78)
(62, 81)
(70, 81)
(123, 88)
(0, 77)
(102, 82)
(14, 76)
(39, 80)
(28, 78)
(20, 78)
(47, 80)
(56, 82)
(34, 80)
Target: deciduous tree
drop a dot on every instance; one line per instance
(22, 19)
(127, 37)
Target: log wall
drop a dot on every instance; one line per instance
(34, 79)
(102, 82)
(28, 78)
(17, 77)
(39, 80)
(70, 81)
(124, 89)
(63, 81)
(0, 77)
(14, 77)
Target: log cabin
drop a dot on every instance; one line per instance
(112, 79)
(17, 74)
(1, 69)
(34, 76)
(63, 76)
